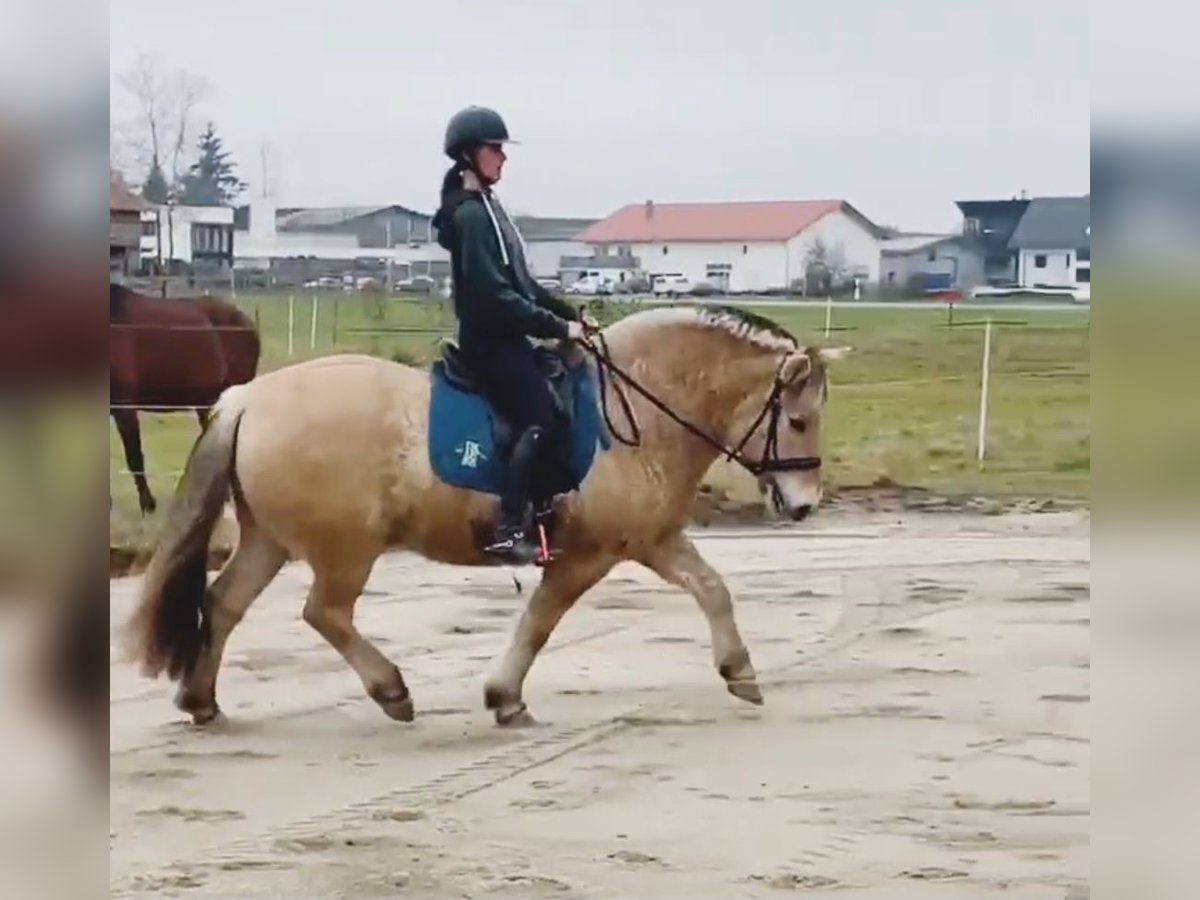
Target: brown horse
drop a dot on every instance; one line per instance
(328, 462)
(172, 355)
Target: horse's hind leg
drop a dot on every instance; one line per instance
(254, 564)
(677, 561)
(330, 610)
(131, 439)
(562, 584)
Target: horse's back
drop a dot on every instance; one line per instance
(163, 353)
(326, 445)
(238, 336)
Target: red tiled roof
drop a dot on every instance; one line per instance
(755, 221)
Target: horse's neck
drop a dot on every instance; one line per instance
(703, 380)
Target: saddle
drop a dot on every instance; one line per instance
(553, 367)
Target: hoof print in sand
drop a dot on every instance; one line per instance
(192, 815)
(932, 873)
(791, 882)
(634, 858)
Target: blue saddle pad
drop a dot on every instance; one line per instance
(467, 440)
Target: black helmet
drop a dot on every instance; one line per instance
(473, 126)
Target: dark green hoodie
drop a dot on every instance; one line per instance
(494, 294)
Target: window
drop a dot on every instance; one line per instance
(1039, 261)
(664, 249)
(1068, 259)
(971, 226)
(745, 249)
(1083, 275)
(933, 254)
(891, 277)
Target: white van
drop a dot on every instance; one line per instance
(593, 283)
(671, 284)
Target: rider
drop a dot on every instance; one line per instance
(499, 306)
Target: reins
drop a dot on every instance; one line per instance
(770, 461)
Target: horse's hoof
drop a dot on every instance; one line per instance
(519, 717)
(202, 713)
(746, 690)
(399, 709)
(393, 699)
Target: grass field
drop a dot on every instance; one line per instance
(903, 406)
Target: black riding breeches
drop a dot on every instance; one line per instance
(512, 382)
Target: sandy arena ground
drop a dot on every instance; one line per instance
(925, 733)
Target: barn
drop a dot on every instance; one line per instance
(742, 247)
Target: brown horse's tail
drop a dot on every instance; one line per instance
(170, 627)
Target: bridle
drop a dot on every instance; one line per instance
(771, 412)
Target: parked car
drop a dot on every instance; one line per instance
(591, 285)
(550, 284)
(418, 284)
(671, 286)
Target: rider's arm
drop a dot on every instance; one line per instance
(556, 305)
(498, 303)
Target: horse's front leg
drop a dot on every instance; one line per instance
(563, 582)
(677, 561)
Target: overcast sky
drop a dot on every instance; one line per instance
(900, 108)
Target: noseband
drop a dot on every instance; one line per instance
(772, 412)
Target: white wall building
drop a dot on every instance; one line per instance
(550, 240)
(1053, 242)
(740, 247)
(189, 234)
(263, 241)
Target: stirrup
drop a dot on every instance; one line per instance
(514, 547)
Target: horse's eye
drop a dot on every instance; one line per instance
(799, 424)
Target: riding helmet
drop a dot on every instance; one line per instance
(472, 126)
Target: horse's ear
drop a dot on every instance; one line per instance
(833, 354)
(797, 365)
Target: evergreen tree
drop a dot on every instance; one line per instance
(211, 180)
(155, 189)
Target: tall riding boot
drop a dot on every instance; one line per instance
(512, 540)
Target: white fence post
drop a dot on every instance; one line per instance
(828, 314)
(983, 391)
(312, 326)
(291, 324)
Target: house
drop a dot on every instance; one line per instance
(549, 241)
(987, 227)
(1053, 243)
(924, 263)
(124, 226)
(743, 247)
(198, 237)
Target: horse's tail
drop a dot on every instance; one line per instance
(170, 627)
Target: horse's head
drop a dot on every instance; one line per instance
(785, 445)
(741, 384)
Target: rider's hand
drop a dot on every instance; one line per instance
(575, 331)
(589, 324)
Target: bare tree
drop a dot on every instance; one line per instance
(158, 128)
(824, 266)
(161, 126)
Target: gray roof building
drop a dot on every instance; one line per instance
(1052, 223)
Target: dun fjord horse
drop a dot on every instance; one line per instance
(329, 462)
(171, 355)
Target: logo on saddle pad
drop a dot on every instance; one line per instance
(471, 455)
